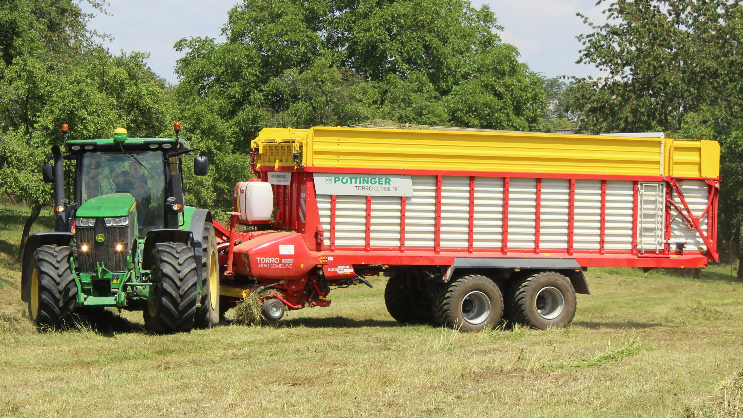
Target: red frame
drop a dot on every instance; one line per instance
(302, 182)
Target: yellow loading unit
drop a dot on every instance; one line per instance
(518, 152)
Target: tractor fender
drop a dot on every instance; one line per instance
(157, 236)
(198, 219)
(35, 241)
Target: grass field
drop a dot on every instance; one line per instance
(640, 345)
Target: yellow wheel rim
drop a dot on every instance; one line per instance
(213, 280)
(34, 294)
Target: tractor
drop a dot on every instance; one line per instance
(125, 239)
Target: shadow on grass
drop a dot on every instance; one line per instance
(707, 275)
(617, 325)
(335, 322)
(11, 251)
(103, 322)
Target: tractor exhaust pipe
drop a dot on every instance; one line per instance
(60, 212)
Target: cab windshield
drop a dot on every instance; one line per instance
(142, 174)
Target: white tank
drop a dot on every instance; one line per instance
(254, 200)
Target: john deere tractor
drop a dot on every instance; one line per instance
(125, 239)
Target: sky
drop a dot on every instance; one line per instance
(544, 31)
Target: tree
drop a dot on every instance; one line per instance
(316, 62)
(673, 66)
(52, 72)
(663, 59)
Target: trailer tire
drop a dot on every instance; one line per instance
(53, 287)
(406, 305)
(174, 308)
(471, 303)
(208, 315)
(545, 300)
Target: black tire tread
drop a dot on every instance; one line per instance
(176, 306)
(447, 304)
(520, 300)
(401, 302)
(205, 316)
(57, 287)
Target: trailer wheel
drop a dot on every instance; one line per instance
(208, 314)
(273, 309)
(545, 300)
(471, 303)
(405, 305)
(174, 307)
(53, 287)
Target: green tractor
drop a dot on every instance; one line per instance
(126, 240)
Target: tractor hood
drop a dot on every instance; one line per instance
(117, 204)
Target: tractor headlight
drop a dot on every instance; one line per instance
(85, 222)
(123, 221)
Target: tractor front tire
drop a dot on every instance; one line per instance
(406, 305)
(53, 287)
(545, 300)
(174, 307)
(208, 315)
(471, 303)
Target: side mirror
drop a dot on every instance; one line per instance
(48, 173)
(200, 166)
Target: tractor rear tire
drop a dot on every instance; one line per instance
(406, 305)
(471, 303)
(545, 300)
(174, 308)
(53, 287)
(208, 315)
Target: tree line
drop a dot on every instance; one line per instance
(669, 65)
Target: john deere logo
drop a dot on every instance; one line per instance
(100, 238)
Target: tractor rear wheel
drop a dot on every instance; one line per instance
(545, 300)
(407, 305)
(53, 288)
(174, 307)
(471, 303)
(208, 314)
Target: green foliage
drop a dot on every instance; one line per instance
(674, 66)
(53, 72)
(663, 59)
(304, 63)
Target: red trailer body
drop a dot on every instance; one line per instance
(461, 221)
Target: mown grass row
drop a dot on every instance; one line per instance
(642, 344)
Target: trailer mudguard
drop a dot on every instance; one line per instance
(566, 266)
(34, 241)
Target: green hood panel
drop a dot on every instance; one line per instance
(117, 204)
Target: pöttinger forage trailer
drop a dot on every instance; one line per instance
(464, 222)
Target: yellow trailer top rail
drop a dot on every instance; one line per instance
(364, 148)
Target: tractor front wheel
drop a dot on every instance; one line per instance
(174, 307)
(53, 288)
